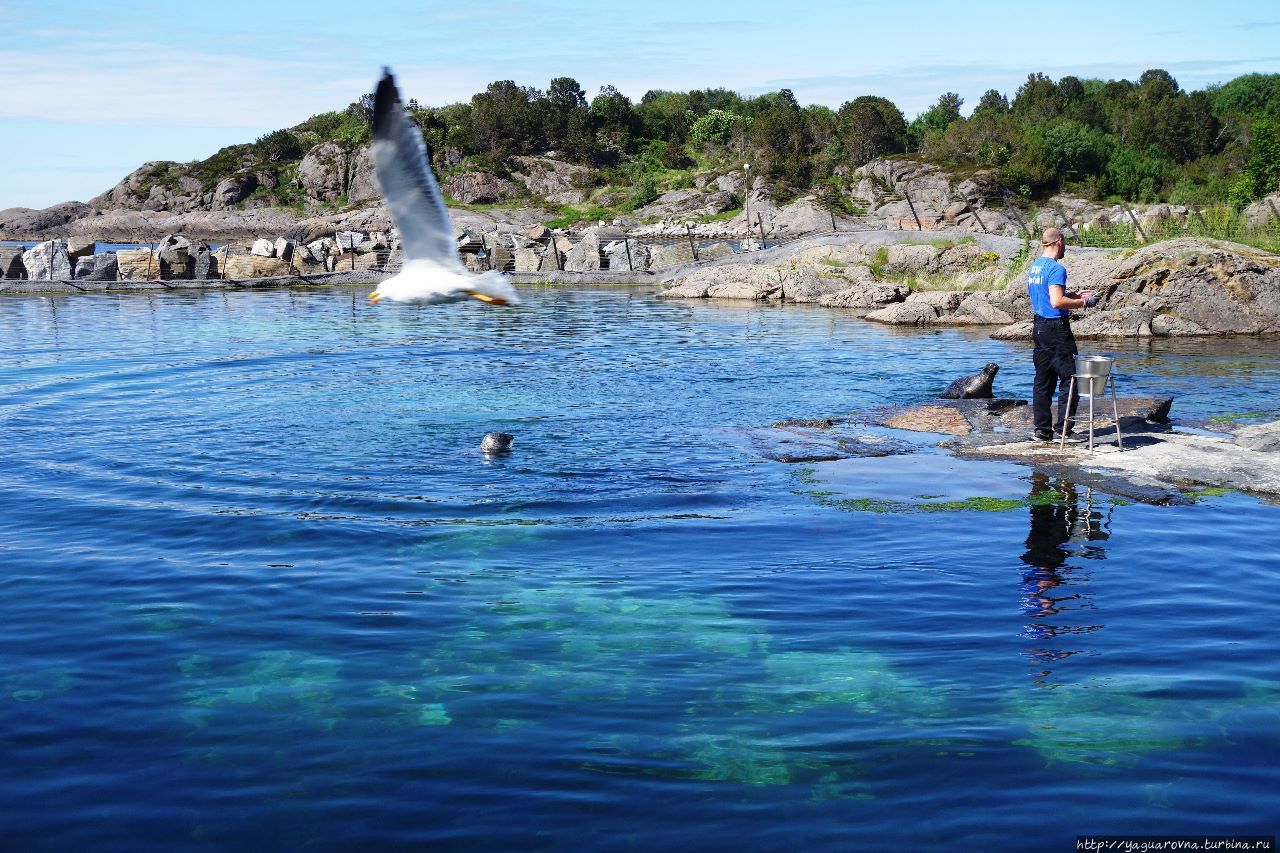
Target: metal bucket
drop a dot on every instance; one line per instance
(1091, 374)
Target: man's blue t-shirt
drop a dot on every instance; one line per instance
(1044, 272)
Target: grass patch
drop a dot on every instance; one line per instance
(590, 213)
(832, 262)
(1209, 492)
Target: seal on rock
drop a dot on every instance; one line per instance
(972, 387)
(497, 442)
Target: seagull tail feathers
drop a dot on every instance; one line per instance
(493, 287)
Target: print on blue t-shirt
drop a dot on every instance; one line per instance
(1044, 272)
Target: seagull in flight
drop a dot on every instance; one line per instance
(432, 272)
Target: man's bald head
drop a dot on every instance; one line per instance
(1051, 236)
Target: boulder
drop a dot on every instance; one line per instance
(583, 257)
(283, 248)
(11, 262)
(1264, 213)
(263, 248)
(99, 267)
(907, 313)
(862, 295)
(203, 263)
(535, 232)
(348, 240)
(79, 247)
(47, 261)
(714, 250)
(231, 191)
(527, 260)
(627, 255)
(138, 265)
(670, 254)
(240, 267)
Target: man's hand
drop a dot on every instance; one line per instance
(1090, 298)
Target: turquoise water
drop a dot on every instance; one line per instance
(261, 589)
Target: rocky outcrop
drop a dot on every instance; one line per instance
(1177, 288)
(478, 188)
(691, 202)
(555, 181)
(17, 223)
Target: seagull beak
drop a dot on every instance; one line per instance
(374, 297)
(484, 297)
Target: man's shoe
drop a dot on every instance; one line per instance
(1041, 435)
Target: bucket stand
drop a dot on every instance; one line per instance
(1088, 380)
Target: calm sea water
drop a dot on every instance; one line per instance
(261, 590)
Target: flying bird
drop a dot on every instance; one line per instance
(432, 272)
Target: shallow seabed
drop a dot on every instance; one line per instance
(261, 589)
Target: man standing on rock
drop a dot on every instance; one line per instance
(1055, 347)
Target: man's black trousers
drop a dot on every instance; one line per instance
(1055, 361)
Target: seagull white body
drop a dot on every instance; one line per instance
(432, 271)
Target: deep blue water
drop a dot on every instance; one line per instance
(262, 591)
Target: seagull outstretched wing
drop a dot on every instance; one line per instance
(408, 185)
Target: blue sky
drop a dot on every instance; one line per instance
(93, 90)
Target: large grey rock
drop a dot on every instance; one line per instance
(99, 267)
(79, 247)
(862, 295)
(906, 313)
(263, 248)
(1265, 212)
(584, 256)
(47, 261)
(627, 255)
(283, 248)
(231, 191)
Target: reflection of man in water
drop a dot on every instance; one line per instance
(1055, 522)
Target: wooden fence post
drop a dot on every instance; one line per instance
(760, 223)
(911, 204)
(688, 232)
(1134, 219)
(626, 242)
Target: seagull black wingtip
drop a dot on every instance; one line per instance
(385, 101)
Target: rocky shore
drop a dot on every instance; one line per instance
(1161, 462)
(1176, 288)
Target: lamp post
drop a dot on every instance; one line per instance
(746, 200)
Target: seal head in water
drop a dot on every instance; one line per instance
(497, 442)
(977, 386)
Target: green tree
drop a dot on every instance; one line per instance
(1137, 175)
(1262, 175)
(278, 146)
(1249, 94)
(871, 127)
(1077, 151)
